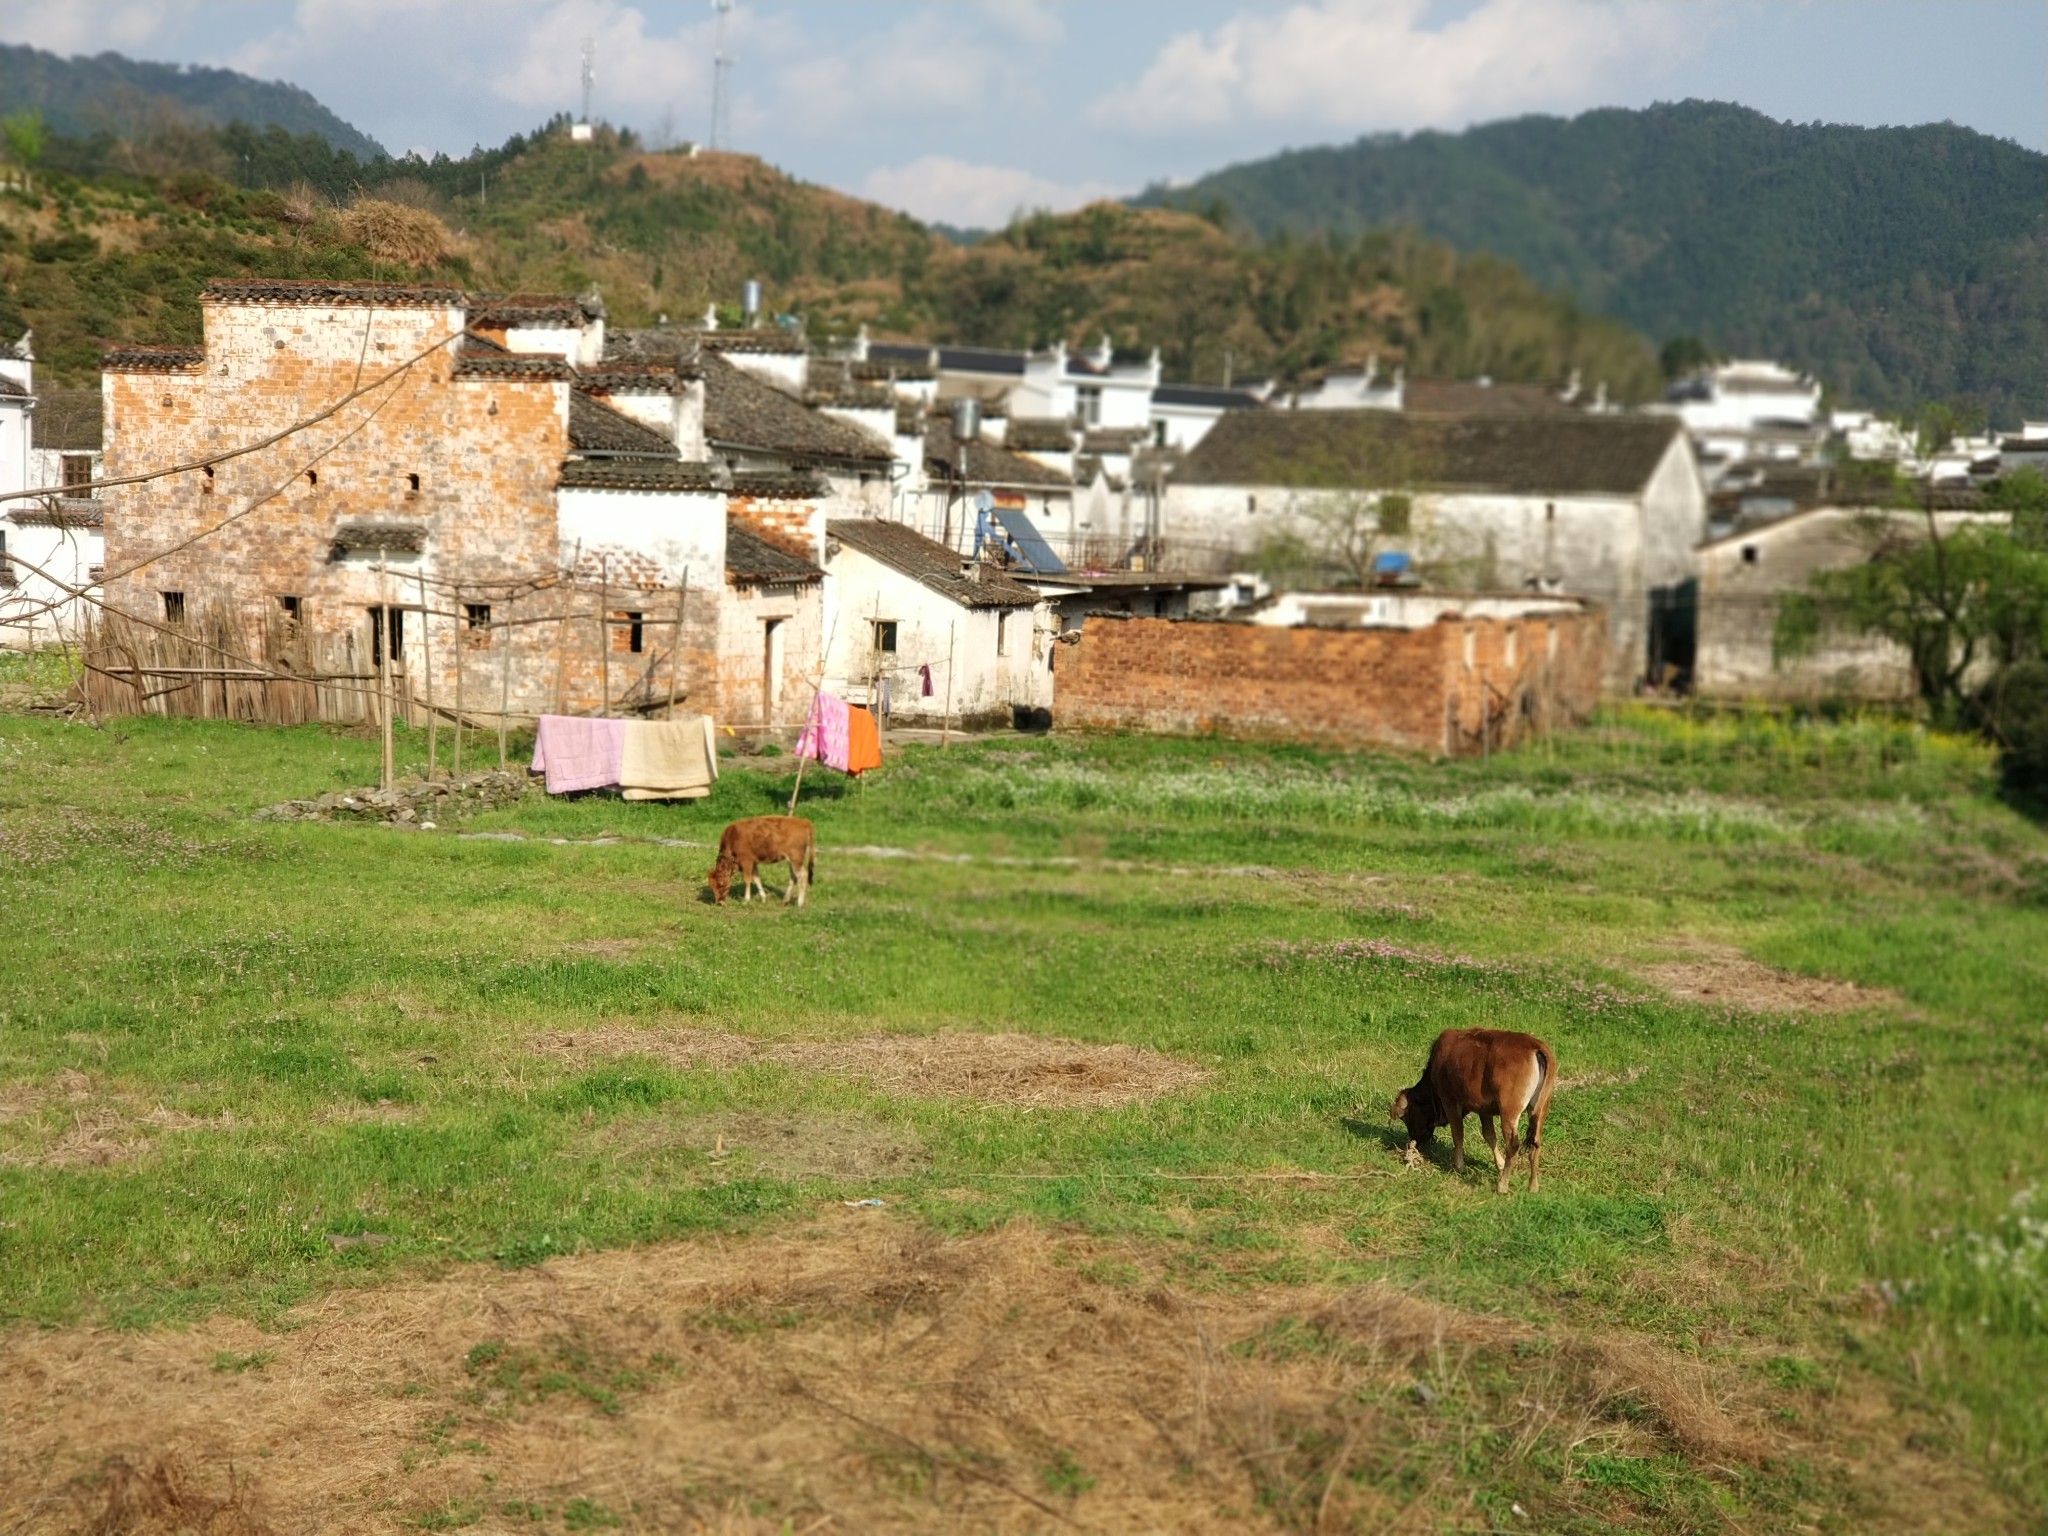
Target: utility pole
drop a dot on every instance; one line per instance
(721, 68)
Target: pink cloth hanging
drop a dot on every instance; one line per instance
(827, 736)
(579, 753)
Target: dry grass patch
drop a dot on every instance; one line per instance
(70, 1121)
(986, 1069)
(862, 1375)
(1719, 974)
(812, 1144)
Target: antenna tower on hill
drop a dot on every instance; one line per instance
(589, 74)
(721, 67)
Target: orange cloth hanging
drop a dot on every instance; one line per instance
(863, 740)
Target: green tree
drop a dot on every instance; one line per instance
(26, 138)
(1957, 601)
(1682, 356)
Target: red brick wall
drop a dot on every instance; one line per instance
(794, 527)
(1419, 689)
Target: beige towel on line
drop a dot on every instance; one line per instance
(669, 759)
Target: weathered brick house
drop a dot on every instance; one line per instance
(496, 511)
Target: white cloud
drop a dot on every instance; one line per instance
(974, 196)
(1360, 64)
(95, 26)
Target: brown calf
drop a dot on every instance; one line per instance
(746, 845)
(1486, 1072)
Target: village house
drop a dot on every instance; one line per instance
(1747, 573)
(480, 527)
(52, 545)
(1601, 506)
(910, 613)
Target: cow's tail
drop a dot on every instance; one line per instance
(1539, 1104)
(811, 860)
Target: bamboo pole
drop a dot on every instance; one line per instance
(461, 645)
(675, 652)
(427, 665)
(604, 636)
(505, 687)
(946, 724)
(384, 663)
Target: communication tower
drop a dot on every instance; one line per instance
(721, 68)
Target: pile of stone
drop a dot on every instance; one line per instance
(410, 802)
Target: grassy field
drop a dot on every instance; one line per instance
(583, 1139)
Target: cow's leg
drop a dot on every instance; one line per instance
(1507, 1136)
(801, 879)
(789, 891)
(748, 873)
(1458, 1142)
(1486, 1130)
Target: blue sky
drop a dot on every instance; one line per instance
(970, 109)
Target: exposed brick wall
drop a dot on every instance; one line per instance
(1418, 689)
(486, 451)
(795, 527)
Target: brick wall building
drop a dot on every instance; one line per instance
(1453, 686)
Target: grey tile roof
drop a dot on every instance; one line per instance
(280, 290)
(509, 365)
(639, 474)
(1338, 450)
(978, 360)
(150, 359)
(775, 485)
(356, 535)
(595, 427)
(1206, 396)
(498, 311)
(67, 420)
(12, 389)
(57, 512)
(671, 346)
(987, 464)
(741, 411)
(929, 563)
(1453, 397)
(892, 366)
(753, 560)
(1042, 434)
(763, 339)
(629, 379)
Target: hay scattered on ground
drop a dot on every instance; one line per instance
(73, 1122)
(858, 1375)
(1713, 973)
(792, 1145)
(987, 1069)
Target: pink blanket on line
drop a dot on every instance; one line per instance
(578, 753)
(827, 738)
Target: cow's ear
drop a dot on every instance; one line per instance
(1400, 1111)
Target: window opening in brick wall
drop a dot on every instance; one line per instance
(1471, 647)
(293, 608)
(1514, 639)
(174, 607)
(1550, 643)
(387, 635)
(412, 483)
(1749, 554)
(312, 477)
(628, 632)
(1550, 511)
(77, 471)
(772, 632)
(206, 481)
(476, 623)
(885, 635)
(1002, 634)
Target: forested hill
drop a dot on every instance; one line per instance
(1898, 264)
(111, 94)
(116, 240)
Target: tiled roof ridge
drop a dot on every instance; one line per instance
(639, 474)
(749, 556)
(269, 290)
(128, 359)
(511, 365)
(758, 339)
(595, 427)
(928, 562)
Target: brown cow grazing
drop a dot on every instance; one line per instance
(1486, 1072)
(746, 845)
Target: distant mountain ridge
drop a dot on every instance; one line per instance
(1899, 265)
(110, 93)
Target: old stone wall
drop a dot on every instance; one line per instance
(1455, 686)
(468, 462)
